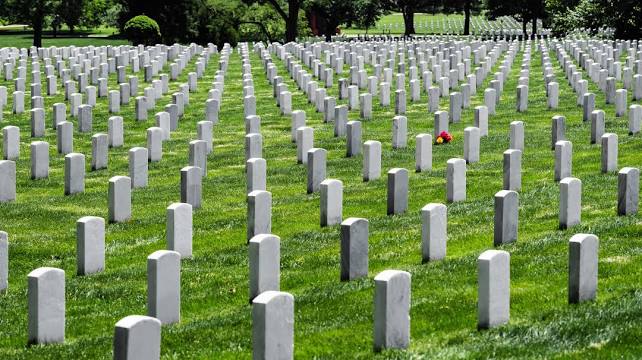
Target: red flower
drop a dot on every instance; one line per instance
(446, 136)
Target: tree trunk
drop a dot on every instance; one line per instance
(292, 21)
(409, 21)
(467, 17)
(37, 31)
(534, 32)
(329, 29)
(291, 18)
(524, 23)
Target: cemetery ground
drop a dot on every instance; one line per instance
(333, 319)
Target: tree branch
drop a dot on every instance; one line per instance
(278, 9)
(261, 26)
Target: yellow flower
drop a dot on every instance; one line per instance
(440, 140)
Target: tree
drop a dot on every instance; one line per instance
(56, 24)
(408, 8)
(218, 22)
(111, 14)
(367, 13)
(291, 17)
(176, 19)
(624, 16)
(31, 12)
(142, 30)
(96, 13)
(260, 22)
(560, 17)
(467, 6)
(330, 14)
(523, 10)
(70, 12)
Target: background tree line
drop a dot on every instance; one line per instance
(220, 21)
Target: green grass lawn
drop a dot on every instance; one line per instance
(12, 36)
(333, 319)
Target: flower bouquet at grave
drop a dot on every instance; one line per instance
(444, 138)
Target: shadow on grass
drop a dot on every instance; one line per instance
(60, 34)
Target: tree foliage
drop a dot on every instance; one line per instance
(71, 12)
(408, 9)
(259, 22)
(523, 10)
(31, 12)
(624, 16)
(559, 15)
(142, 29)
(101, 12)
(367, 13)
(465, 6)
(176, 19)
(288, 10)
(218, 22)
(329, 14)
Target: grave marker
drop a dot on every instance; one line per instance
(397, 191)
(99, 151)
(273, 325)
(192, 186)
(493, 304)
(7, 181)
(74, 173)
(90, 245)
(628, 191)
(265, 264)
(137, 337)
(331, 203)
(39, 160)
(138, 167)
(119, 199)
(570, 202)
(456, 180)
(563, 160)
(164, 286)
(46, 300)
(506, 217)
(582, 268)
(609, 152)
(512, 170)
(259, 213)
(433, 232)
(179, 229)
(256, 172)
(392, 310)
(354, 248)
